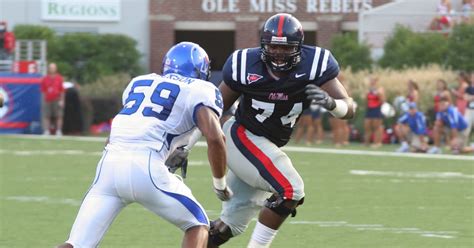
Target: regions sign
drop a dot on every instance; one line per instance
(80, 10)
(289, 6)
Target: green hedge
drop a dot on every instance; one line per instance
(349, 53)
(85, 57)
(406, 48)
(461, 48)
(409, 49)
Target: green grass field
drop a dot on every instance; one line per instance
(351, 200)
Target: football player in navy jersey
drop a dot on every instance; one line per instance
(275, 83)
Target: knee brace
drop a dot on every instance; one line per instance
(283, 207)
(219, 233)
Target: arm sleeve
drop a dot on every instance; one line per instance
(403, 119)
(330, 72)
(207, 96)
(126, 92)
(420, 125)
(230, 71)
(452, 120)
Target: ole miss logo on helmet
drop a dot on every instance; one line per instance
(251, 77)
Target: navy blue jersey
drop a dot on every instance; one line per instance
(270, 106)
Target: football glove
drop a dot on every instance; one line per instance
(178, 159)
(320, 97)
(224, 194)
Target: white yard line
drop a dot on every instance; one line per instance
(413, 174)
(286, 148)
(48, 152)
(43, 199)
(380, 227)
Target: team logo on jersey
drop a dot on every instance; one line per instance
(252, 78)
(278, 96)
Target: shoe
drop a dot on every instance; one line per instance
(404, 147)
(59, 133)
(46, 132)
(434, 150)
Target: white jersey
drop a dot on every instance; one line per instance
(159, 111)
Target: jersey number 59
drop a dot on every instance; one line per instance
(164, 95)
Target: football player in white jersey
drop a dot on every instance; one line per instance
(158, 116)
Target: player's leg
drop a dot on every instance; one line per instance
(96, 214)
(237, 212)
(167, 196)
(195, 237)
(262, 165)
(98, 209)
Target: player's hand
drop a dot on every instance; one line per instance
(320, 97)
(223, 194)
(178, 159)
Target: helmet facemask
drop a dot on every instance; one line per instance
(281, 57)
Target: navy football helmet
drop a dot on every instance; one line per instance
(187, 59)
(281, 40)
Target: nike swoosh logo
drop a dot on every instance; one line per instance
(299, 75)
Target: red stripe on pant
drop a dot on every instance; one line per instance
(267, 162)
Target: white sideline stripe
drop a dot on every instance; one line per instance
(380, 227)
(416, 174)
(43, 199)
(48, 152)
(287, 148)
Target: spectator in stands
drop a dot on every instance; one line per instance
(7, 42)
(411, 130)
(373, 124)
(413, 94)
(469, 97)
(449, 117)
(308, 124)
(441, 91)
(458, 92)
(467, 11)
(442, 21)
(52, 90)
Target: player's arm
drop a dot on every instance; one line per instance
(208, 124)
(333, 96)
(228, 95)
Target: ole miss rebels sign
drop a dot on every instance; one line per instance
(289, 6)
